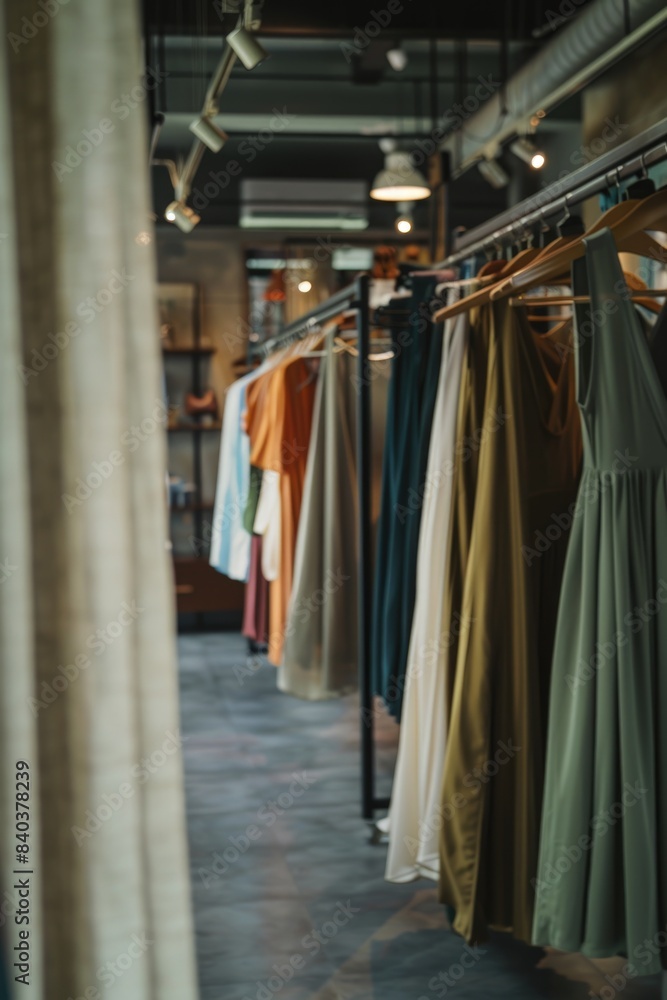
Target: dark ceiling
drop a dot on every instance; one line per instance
(339, 97)
(517, 19)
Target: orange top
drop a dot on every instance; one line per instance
(278, 417)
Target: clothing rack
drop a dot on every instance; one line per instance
(629, 158)
(354, 296)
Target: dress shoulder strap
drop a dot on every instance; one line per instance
(607, 326)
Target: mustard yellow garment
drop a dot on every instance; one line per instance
(518, 463)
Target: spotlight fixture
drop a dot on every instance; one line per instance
(182, 215)
(304, 286)
(493, 173)
(397, 58)
(528, 152)
(246, 47)
(399, 180)
(404, 221)
(209, 133)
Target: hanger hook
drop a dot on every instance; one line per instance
(567, 210)
(544, 227)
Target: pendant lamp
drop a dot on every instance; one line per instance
(399, 180)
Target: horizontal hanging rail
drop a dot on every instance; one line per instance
(346, 298)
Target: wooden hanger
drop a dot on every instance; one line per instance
(633, 282)
(625, 223)
(491, 267)
(559, 251)
(520, 260)
(649, 213)
(344, 346)
(558, 318)
(636, 284)
(483, 295)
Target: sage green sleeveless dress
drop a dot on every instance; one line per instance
(601, 886)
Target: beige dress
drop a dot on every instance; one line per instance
(320, 653)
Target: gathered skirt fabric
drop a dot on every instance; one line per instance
(601, 884)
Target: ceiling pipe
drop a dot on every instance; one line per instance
(600, 35)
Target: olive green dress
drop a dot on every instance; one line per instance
(518, 464)
(602, 879)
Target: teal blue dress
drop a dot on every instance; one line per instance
(601, 885)
(412, 394)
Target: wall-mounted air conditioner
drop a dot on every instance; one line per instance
(302, 205)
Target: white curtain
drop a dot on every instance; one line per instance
(88, 694)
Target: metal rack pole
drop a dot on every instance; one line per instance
(357, 297)
(365, 554)
(334, 305)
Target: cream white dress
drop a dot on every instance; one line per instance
(415, 803)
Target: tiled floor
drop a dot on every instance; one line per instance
(289, 896)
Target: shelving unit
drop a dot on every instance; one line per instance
(199, 589)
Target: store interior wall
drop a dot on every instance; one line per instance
(621, 104)
(213, 260)
(632, 95)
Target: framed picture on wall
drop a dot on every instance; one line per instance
(178, 305)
